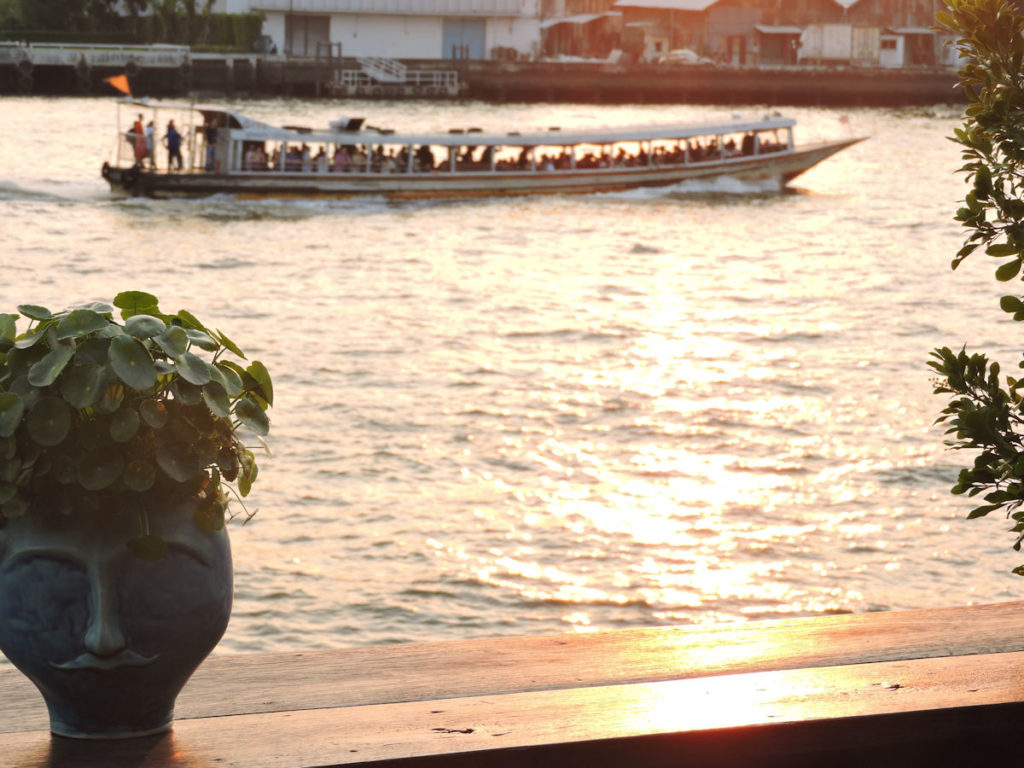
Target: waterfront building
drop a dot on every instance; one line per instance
(398, 29)
(892, 33)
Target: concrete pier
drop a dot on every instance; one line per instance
(175, 71)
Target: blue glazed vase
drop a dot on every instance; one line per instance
(108, 638)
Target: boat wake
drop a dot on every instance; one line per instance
(719, 186)
(230, 208)
(52, 191)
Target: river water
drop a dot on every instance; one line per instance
(551, 414)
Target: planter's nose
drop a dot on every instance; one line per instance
(104, 636)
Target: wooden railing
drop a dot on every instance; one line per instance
(937, 687)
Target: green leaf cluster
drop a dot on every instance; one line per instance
(95, 412)
(985, 414)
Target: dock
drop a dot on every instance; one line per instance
(915, 688)
(176, 71)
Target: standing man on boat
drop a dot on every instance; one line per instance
(138, 141)
(150, 134)
(172, 140)
(211, 144)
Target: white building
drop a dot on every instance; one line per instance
(398, 29)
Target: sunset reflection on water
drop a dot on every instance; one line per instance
(560, 413)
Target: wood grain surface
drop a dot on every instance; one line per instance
(925, 678)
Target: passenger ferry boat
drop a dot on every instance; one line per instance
(226, 152)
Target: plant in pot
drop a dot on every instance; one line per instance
(985, 414)
(122, 452)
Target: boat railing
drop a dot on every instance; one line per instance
(376, 164)
(446, 79)
(70, 54)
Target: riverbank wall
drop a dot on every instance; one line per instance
(216, 75)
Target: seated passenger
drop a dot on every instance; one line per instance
(342, 160)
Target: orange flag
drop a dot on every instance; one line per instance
(120, 82)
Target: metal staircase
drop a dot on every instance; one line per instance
(382, 70)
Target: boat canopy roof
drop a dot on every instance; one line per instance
(355, 131)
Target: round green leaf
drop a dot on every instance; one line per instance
(124, 424)
(9, 470)
(209, 515)
(8, 326)
(136, 303)
(11, 409)
(229, 379)
(148, 547)
(81, 385)
(259, 372)
(144, 326)
(186, 393)
(217, 400)
(46, 371)
(95, 351)
(154, 413)
(193, 369)
(176, 461)
(249, 413)
(35, 312)
(202, 339)
(173, 341)
(80, 322)
(98, 306)
(14, 507)
(131, 362)
(139, 475)
(30, 339)
(49, 421)
(100, 468)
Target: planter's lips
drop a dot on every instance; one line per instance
(92, 661)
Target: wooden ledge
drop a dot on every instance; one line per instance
(919, 687)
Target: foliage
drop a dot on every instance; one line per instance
(986, 414)
(95, 412)
(183, 22)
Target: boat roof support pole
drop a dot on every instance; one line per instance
(410, 159)
(789, 137)
(572, 157)
(451, 159)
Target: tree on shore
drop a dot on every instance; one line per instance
(985, 413)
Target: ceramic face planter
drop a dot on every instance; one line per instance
(108, 638)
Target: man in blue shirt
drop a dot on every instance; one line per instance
(173, 141)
